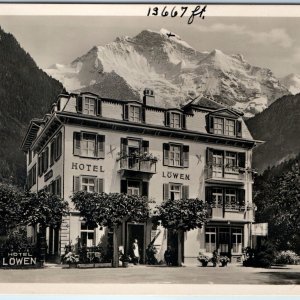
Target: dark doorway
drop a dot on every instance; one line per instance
(173, 243)
(136, 231)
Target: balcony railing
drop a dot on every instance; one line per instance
(138, 164)
(231, 212)
(214, 173)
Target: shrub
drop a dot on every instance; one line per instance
(263, 256)
(287, 258)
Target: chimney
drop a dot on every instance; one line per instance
(148, 98)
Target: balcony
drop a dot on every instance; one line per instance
(231, 213)
(224, 174)
(143, 164)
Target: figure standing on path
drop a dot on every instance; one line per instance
(136, 253)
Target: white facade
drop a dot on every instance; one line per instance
(203, 151)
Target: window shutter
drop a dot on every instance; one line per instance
(210, 123)
(145, 146)
(79, 104)
(208, 194)
(100, 185)
(167, 118)
(238, 128)
(185, 155)
(76, 143)
(34, 175)
(98, 108)
(124, 186)
(125, 113)
(183, 121)
(58, 187)
(76, 184)
(101, 146)
(166, 148)
(242, 160)
(143, 115)
(40, 165)
(52, 152)
(166, 191)
(58, 146)
(185, 192)
(145, 185)
(241, 197)
(46, 159)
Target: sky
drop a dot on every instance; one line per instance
(268, 42)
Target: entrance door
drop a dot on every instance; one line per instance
(136, 231)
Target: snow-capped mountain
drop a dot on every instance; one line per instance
(173, 69)
(292, 82)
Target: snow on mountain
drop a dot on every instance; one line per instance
(292, 82)
(173, 69)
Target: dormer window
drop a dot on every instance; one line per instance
(175, 119)
(88, 105)
(223, 125)
(134, 113)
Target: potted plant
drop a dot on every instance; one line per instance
(224, 260)
(203, 259)
(125, 260)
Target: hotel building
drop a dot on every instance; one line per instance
(203, 150)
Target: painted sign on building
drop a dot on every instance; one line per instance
(260, 229)
(15, 259)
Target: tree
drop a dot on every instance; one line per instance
(111, 210)
(278, 199)
(181, 216)
(45, 209)
(10, 208)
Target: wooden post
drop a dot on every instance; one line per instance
(115, 249)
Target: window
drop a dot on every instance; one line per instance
(218, 125)
(176, 155)
(220, 163)
(175, 191)
(133, 188)
(134, 113)
(231, 162)
(55, 148)
(234, 198)
(87, 235)
(31, 177)
(217, 164)
(210, 239)
(55, 187)
(230, 198)
(175, 120)
(43, 161)
(29, 157)
(217, 197)
(89, 106)
(236, 238)
(224, 126)
(224, 239)
(229, 127)
(88, 184)
(89, 144)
